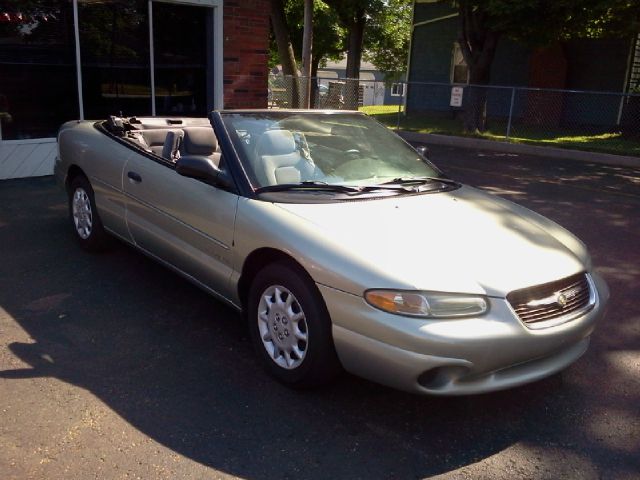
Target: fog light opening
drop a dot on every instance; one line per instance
(439, 377)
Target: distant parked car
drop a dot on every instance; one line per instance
(342, 244)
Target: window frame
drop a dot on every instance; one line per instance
(456, 52)
(398, 86)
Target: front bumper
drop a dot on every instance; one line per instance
(454, 357)
(58, 173)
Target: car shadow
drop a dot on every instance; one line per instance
(177, 365)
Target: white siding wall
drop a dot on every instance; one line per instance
(27, 158)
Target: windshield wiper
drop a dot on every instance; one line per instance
(309, 185)
(420, 181)
(328, 187)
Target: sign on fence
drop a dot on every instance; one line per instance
(456, 96)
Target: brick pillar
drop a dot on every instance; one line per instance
(245, 51)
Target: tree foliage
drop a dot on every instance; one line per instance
(385, 26)
(541, 21)
(354, 15)
(328, 34)
(387, 37)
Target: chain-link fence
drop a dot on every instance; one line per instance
(331, 93)
(518, 112)
(601, 121)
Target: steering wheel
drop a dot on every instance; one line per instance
(354, 168)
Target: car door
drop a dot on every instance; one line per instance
(182, 221)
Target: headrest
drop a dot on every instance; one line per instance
(200, 140)
(276, 142)
(172, 144)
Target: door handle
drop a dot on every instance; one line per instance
(135, 177)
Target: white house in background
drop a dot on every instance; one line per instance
(374, 89)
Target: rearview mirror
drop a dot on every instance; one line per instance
(202, 168)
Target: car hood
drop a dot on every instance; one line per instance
(460, 241)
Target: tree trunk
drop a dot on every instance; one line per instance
(354, 58)
(307, 46)
(285, 49)
(478, 44)
(475, 119)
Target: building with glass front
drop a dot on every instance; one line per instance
(62, 60)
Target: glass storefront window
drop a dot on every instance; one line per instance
(38, 72)
(38, 88)
(181, 59)
(114, 50)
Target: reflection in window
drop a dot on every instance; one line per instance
(37, 65)
(114, 47)
(181, 59)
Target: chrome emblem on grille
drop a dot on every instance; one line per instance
(564, 297)
(551, 304)
(561, 299)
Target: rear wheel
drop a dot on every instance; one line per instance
(85, 221)
(290, 327)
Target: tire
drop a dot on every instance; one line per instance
(83, 215)
(290, 327)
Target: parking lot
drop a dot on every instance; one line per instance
(113, 367)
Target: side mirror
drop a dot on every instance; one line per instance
(202, 168)
(423, 151)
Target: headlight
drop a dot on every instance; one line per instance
(427, 304)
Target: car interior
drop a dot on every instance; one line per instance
(279, 158)
(170, 139)
(289, 151)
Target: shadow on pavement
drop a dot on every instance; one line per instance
(178, 366)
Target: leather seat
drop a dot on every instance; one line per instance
(153, 140)
(200, 142)
(278, 160)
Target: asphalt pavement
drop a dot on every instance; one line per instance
(112, 367)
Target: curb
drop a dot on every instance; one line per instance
(497, 146)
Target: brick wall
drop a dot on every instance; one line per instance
(246, 44)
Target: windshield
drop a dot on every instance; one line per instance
(293, 148)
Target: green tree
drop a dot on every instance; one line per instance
(353, 16)
(387, 37)
(328, 35)
(286, 55)
(339, 27)
(378, 30)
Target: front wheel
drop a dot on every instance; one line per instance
(290, 327)
(84, 217)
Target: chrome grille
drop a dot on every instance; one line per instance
(554, 300)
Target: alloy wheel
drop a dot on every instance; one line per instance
(82, 214)
(283, 327)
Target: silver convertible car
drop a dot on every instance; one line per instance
(344, 246)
